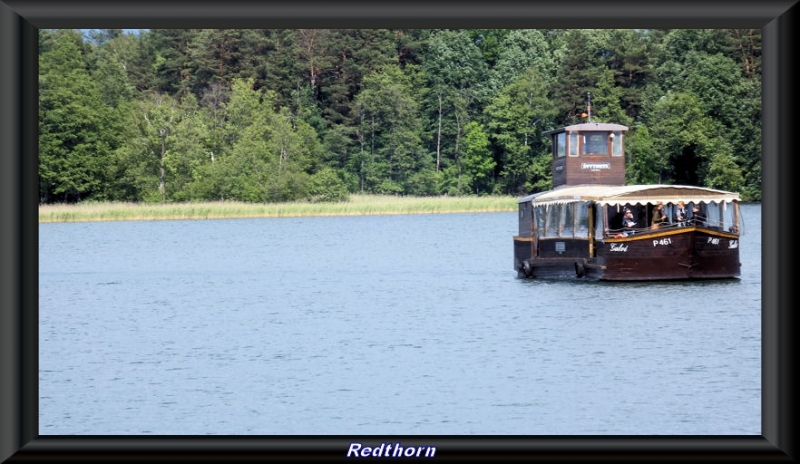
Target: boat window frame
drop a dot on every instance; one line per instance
(584, 143)
(552, 212)
(560, 145)
(616, 143)
(567, 212)
(601, 225)
(560, 212)
(540, 220)
(582, 229)
(573, 144)
(722, 216)
(526, 219)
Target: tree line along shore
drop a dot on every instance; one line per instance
(356, 205)
(291, 115)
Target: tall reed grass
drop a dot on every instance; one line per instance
(357, 205)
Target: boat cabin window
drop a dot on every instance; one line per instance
(722, 216)
(582, 220)
(540, 218)
(561, 144)
(595, 143)
(570, 220)
(598, 222)
(567, 221)
(553, 221)
(573, 144)
(525, 219)
(615, 214)
(616, 143)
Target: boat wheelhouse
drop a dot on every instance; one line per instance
(580, 228)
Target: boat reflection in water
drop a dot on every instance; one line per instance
(577, 229)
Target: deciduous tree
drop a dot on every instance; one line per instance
(76, 131)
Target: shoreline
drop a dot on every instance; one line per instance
(357, 205)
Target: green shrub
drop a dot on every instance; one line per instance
(326, 185)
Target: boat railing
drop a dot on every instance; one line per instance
(712, 225)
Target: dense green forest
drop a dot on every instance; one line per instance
(315, 114)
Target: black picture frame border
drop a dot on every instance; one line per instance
(19, 23)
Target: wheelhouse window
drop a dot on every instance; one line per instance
(573, 144)
(616, 143)
(595, 143)
(561, 144)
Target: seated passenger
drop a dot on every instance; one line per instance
(628, 224)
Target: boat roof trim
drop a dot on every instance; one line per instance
(631, 194)
(589, 126)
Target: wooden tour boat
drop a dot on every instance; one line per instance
(577, 229)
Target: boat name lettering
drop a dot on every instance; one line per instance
(619, 247)
(663, 241)
(595, 166)
(733, 244)
(713, 240)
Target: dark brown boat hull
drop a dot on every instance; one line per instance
(676, 254)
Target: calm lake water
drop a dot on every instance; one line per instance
(413, 324)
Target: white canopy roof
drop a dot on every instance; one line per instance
(631, 194)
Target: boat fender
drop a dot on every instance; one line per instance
(579, 269)
(526, 266)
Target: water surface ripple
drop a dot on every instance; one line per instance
(410, 324)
